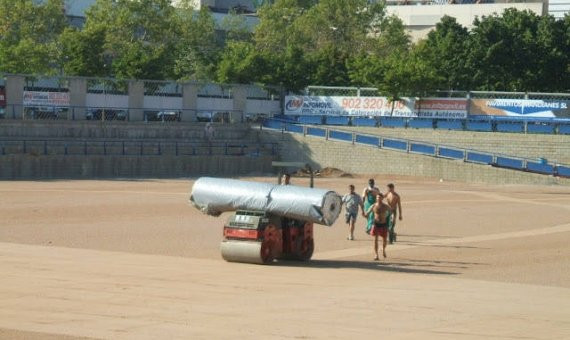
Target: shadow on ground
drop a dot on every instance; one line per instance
(386, 265)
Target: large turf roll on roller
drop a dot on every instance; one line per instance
(214, 196)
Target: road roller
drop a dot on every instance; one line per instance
(268, 222)
(259, 237)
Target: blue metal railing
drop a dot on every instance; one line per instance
(472, 123)
(539, 166)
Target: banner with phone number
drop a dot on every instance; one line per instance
(375, 106)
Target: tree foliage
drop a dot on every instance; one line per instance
(29, 34)
(296, 43)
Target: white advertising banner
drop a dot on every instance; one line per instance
(37, 98)
(375, 106)
(447, 108)
(521, 108)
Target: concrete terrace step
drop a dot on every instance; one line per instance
(116, 130)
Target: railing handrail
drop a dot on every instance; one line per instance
(436, 145)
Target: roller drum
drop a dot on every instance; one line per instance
(246, 251)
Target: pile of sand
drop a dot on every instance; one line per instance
(332, 172)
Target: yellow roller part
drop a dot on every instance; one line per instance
(245, 251)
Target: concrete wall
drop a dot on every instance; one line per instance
(88, 167)
(137, 102)
(555, 148)
(360, 159)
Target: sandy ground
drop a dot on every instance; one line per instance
(132, 260)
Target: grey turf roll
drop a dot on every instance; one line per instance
(214, 196)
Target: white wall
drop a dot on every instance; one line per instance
(215, 104)
(420, 19)
(161, 102)
(106, 100)
(262, 106)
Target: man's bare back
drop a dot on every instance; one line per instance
(393, 199)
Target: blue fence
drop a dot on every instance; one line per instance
(478, 157)
(340, 135)
(422, 148)
(449, 125)
(447, 152)
(369, 140)
(539, 166)
(474, 123)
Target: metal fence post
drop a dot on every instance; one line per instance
(45, 147)
(176, 148)
(25, 151)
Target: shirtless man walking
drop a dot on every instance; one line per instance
(393, 200)
(381, 213)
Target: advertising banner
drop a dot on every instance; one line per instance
(2, 97)
(36, 98)
(520, 108)
(347, 106)
(446, 108)
(376, 106)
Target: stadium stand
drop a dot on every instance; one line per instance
(540, 166)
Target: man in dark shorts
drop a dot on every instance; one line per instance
(351, 201)
(381, 219)
(394, 201)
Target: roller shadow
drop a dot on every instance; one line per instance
(384, 265)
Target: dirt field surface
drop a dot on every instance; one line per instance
(133, 260)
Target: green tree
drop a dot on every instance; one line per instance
(553, 37)
(326, 34)
(504, 52)
(240, 63)
(140, 36)
(406, 73)
(236, 27)
(28, 36)
(82, 52)
(367, 67)
(446, 51)
(198, 47)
